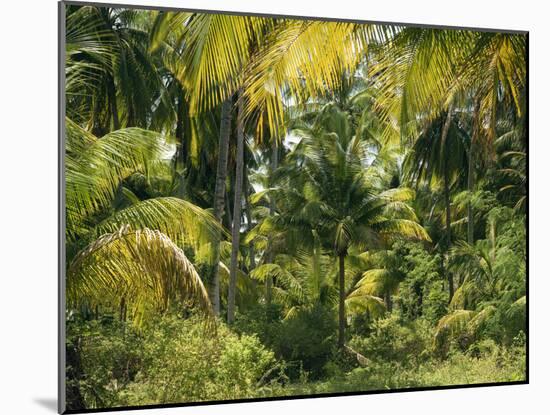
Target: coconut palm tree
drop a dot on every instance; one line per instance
(112, 79)
(424, 72)
(224, 53)
(438, 158)
(145, 238)
(332, 185)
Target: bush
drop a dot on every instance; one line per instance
(106, 356)
(261, 320)
(170, 360)
(183, 363)
(307, 341)
(392, 342)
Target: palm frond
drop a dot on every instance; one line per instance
(143, 267)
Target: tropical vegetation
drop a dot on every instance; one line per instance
(264, 207)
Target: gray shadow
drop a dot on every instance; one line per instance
(48, 403)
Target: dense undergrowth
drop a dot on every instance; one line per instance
(175, 360)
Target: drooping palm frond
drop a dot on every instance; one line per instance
(401, 228)
(301, 279)
(112, 79)
(89, 47)
(421, 71)
(378, 282)
(290, 283)
(480, 320)
(300, 58)
(182, 221)
(357, 303)
(144, 268)
(451, 325)
(467, 296)
(416, 70)
(468, 323)
(214, 50)
(95, 167)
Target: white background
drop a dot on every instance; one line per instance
(28, 204)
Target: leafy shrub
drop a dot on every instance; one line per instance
(307, 341)
(422, 293)
(391, 341)
(263, 321)
(108, 356)
(183, 363)
(170, 360)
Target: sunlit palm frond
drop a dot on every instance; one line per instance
(300, 56)
(143, 267)
(452, 324)
(179, 219)
(364, 303)
(95, 167)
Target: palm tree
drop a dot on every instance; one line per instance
(425, 71)
(439, 154)
(144, 238)
(112, 79)
(332, 188)
(302, 280)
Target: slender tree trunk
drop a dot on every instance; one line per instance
(271, 256)
(219, 198)
(182, 134)
(75, 373)
(236, 231)
(248, 212)
(450, 277)
(228, 215)
(341, 303)
(122, 310)
(114, 106)
(387, 300)
(447, 196)
(471, 172)
(470, 190)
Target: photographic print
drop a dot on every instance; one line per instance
(259, 207)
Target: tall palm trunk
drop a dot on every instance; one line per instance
(446, 190)
(219, 198)
(470, 190)
(341, 302)
(236, 230)
(271, 256)
(228, 216)
(114, 107)
(248, 213)
(471, 172)
(182, 133)
(388, 301)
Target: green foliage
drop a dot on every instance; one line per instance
(184, 364)
(169, 360)
(493, 365)
(110, 356)
(391, 341)
(422, 292)
(309, 338)
(383, 193)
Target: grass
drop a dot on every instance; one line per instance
(504, 365)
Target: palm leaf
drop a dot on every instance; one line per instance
(143, 267)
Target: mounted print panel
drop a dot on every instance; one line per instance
(276, 207)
